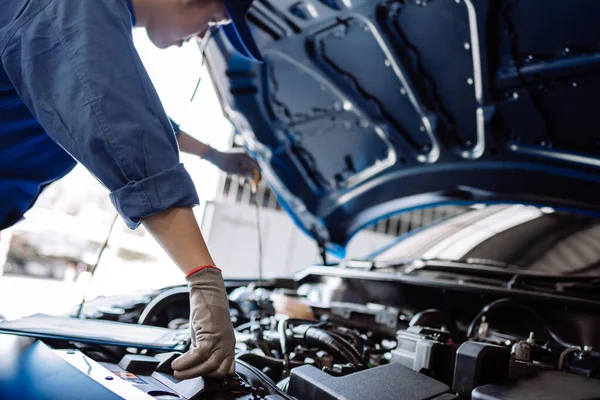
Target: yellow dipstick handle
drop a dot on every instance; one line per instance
(255, 180)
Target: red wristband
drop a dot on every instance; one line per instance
(192, 272)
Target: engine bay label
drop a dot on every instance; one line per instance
(129, 377)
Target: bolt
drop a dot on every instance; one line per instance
(483, 329)
(421, 158)
(465, 154)
(530, 57)
(588, 348)
(363, 123)
(543, 143)
(574, 84)
(566, 50)
(531, 338)
(470, 81)
(403, 91)
(422, 128)
(467, 46)
(513, 147)
(457, 1)
(387, 63)
(515, 95)
(468, 143)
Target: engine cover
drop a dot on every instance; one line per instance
(387, 382)
(549, 385)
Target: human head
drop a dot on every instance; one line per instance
(172, 22)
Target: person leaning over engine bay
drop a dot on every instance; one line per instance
(73, 89)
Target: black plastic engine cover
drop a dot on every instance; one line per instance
(478, 364)
(549, 385)
(387, 382)
(426, 350)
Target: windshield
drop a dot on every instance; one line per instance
(533, 239)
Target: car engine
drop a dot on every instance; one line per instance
(321, 338)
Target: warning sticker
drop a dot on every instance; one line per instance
(129, 377)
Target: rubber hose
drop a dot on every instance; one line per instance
(315, 337)
(511, 302)
(350, 337)
(265, 361)
(434, 318)
(284, 384)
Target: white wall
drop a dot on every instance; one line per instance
(231, 234)
(232, 239)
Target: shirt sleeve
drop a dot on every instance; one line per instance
(75, 67)
(175, 126)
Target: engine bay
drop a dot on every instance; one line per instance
(330, 334)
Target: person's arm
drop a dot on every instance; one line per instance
(212, 339)
(233, 162)
(178, 233)
(190, 145)
(75, 66)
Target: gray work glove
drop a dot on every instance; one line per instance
(233, 162)
(211, 353)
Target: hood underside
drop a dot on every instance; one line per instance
(367, 108)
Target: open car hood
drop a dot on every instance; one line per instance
(366, 108)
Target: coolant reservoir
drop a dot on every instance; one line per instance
(290, 304)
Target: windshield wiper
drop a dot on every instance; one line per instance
(488, 273)
(586, 287)
(371, 265)
(585, 268)
(471, 266)
(413, 264)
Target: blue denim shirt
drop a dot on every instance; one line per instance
(72, 87)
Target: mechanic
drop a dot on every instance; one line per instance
(73, 88)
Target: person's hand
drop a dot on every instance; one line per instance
(211, 353)
(234, 162)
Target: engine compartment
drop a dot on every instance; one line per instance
(324, 335)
